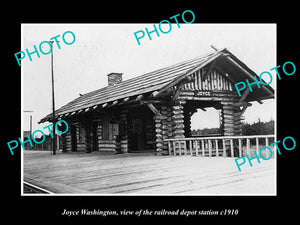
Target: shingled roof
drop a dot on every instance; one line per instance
(156, 81)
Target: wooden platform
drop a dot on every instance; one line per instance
(141, 173)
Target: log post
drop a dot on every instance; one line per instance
(164, 127)
(64, 142)
(178, 127)
(64, 138)
(227, 119)
(227, 124)
(187, 123)
(159, 136)
(88, 137)
(237, 120)
(124, 133)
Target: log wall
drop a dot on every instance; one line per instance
(213, 81)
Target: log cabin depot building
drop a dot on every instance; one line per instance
(138, 114)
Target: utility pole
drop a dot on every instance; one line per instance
(53, 104)
(30, 121)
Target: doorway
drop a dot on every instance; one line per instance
(138, 135)
(94, 136)
(73, 139)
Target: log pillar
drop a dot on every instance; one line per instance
(187, 123)
(99, 133)
(64, 138)
(64, 142)
(158, 133)
(124, 131)
(169, 122)
(88, 137)
(178, 126)
(164, 128)
(227, 119)
(237, 120)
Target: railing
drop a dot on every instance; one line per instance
(226, 146)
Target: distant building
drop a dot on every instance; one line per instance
(46, 145)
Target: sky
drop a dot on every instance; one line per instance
(100, 49)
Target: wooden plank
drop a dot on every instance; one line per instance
(248, 146)
(202, 146)
(197, 148)
(257, 146)
(209, 148)
(184, 146)
(240, 147)
(179, 147)
(197, 81)
(224, 148)
(231, 148)
(267, 144)
(217, 148)
(225, 137)
(174, 147)
(191, 147)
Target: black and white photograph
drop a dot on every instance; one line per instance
(141, 109)
(135, 114)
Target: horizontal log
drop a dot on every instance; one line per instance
(159, 145)
(177, 107)
(178, 116)
(177, 121)
(228, 109)
(229, 116)
(158, 125)
(228, 126)
(178, 136)
(179, 126)
(229, 134)
(178, 132)
(242, 104)
(223, 99)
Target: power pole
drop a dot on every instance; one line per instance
(30, 125)
(30, 121)
(53, 104)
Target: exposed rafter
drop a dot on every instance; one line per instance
(247, 73)
(154, 109)
(209, 70)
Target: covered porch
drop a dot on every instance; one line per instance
(152, 112)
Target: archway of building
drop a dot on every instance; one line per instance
(198, 108)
